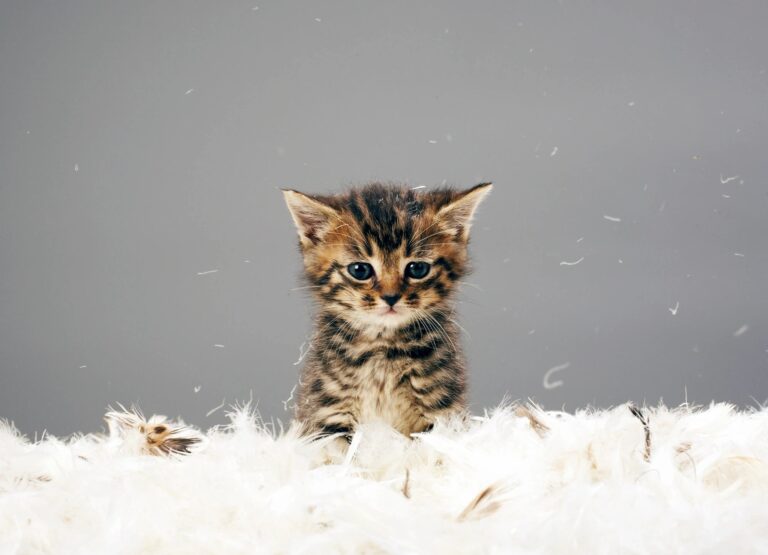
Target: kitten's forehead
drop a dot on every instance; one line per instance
(389, 220)
(386, 217)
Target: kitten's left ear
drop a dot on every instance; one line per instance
(457, 215)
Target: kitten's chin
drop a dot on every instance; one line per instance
(388, 318)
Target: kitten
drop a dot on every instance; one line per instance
(383, 263)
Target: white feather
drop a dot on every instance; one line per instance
(577, 484)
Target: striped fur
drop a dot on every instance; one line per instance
(401, 363)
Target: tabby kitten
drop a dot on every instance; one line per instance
(383, 262)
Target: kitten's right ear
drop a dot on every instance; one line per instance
(312, 217)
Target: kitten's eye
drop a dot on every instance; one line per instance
(417, 270)
(360, 270)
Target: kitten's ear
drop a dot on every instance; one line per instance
(457, 215)
(312, 217)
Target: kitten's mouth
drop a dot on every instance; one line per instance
(390, 316)
(390, 312)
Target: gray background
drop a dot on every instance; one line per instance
(142, 143)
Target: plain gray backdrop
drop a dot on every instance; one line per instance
(146, 255)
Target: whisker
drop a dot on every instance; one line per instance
(427, 330)
(306, 287)
(439, 328)
(358, 235)
(420, 241)
(476, 286)
(423, 231)
(455, 323)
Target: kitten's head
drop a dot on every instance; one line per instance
(382, 255)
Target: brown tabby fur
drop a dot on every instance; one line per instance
(367, 361)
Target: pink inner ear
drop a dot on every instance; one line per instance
(311, 217)
(457, 215)
(455, 220)
(311, 224)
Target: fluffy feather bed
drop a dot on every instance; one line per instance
(518, 480)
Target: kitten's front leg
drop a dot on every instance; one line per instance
(437, 394)
(323, 423)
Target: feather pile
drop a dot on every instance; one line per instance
(518, 480)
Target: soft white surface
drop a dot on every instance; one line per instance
(581, 487)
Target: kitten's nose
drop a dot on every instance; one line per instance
(391, 299)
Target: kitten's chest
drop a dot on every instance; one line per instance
(381, 393)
